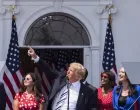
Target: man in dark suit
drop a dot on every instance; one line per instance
(2, 97)
(87, 84)
(94, 89)
(77, 96)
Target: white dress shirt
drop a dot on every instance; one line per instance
(73, 97)
(36, 59)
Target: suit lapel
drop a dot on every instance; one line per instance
(86, 84)
(127, 101)
(81, 95)
(58, 85)
(118, 96)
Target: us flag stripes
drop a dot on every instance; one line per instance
(12, 75)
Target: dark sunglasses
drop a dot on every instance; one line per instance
(27, 79)
(104, 76)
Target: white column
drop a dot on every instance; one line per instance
(1, 38)
(2, 10)
(95, 73)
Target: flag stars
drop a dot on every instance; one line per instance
(13, 52)
(108, 54)
(107, 63)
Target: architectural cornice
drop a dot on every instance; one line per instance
(50, 2)
(110, 8)
(94, 47)
(11, 8)
(106, 6)
(105, 10)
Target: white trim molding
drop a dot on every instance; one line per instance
(110, 8)
(10, 8)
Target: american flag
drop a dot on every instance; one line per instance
(12, 75)
(109, 61)
(75, 56)
(62, 60)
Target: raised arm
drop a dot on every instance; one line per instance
(43, 65)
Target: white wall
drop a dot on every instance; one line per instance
(126, 30)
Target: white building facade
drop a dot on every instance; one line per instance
(92, 17)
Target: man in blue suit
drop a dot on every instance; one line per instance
(2, 97)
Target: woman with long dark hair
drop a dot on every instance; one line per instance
(30, 96)
(105, 91)
(125, 94)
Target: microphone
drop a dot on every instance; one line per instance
(68, 86)
(134, 102)
(67, 78)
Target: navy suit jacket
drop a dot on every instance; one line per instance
(92, 87)
(2, 97)
(129, 101)
(87, 99)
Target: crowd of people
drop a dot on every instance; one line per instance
(71, 91)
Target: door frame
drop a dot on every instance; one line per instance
(87, 62)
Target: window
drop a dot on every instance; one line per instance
(57, 29)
